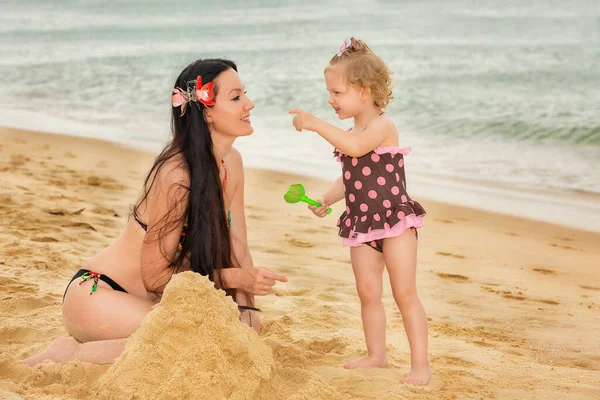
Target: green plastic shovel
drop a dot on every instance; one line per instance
(296, 193)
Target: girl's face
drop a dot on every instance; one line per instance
(231, 113)
(344, 97)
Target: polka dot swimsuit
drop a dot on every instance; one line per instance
(377, 203)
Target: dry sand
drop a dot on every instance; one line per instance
(514, 305)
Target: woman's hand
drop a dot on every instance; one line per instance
(259, 281)
(303, 120)
(251, 319)
(320, 211)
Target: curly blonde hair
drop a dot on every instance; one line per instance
(366, 68)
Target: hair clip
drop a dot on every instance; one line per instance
(195, 92)
(344, 46)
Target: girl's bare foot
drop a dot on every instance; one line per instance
(62, 350)
(367, 361)
(419, 376)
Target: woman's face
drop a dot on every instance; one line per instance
(231, 113)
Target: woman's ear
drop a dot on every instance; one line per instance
(208, 115)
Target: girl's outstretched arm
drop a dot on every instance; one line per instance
(352, 145)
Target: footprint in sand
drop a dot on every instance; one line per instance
(25, 188)
(513, 352)
(551, 302)
(507, 294)
(105, 182)
(299, 243)
(545, 271)
(589, 287)
(310, 231)
(446, 254)
(514, 297)
(324, 258)
(562, 246)
(79, 225)
(445, 221)
(566, 239)
(257, 217)
(511, 234)
(273, 251)
(44, 239)
(454, 277)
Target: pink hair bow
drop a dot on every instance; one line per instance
(195, 92)
(346, 45)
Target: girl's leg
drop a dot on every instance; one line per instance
(400, 254)
(367, 265)
(97, 320)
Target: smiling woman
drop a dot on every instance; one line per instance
(189, 216)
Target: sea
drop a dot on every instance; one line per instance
(499, 100)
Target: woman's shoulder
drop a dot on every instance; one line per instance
(173, 171)
(233, 160)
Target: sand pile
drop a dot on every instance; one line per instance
(191, 343)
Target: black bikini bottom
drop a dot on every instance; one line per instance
(86, 274)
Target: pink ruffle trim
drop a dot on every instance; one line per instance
(410, 221)
(379, 150)
(393, 150)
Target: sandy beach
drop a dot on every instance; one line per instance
(513, 304)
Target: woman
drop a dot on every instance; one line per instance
(189, 216)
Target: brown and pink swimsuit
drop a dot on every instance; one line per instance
(377, 203)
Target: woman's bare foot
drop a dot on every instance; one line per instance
(62, 350)
(367, 361)
(419, 376)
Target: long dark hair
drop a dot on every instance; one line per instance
(207, 246)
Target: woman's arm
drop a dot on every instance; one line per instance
(249, 279)
(166, 205)
(238, 230)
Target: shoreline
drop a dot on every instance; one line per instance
(577, 209)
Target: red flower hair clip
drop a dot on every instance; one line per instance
(195, 92)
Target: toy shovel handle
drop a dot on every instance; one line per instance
(312, 202)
